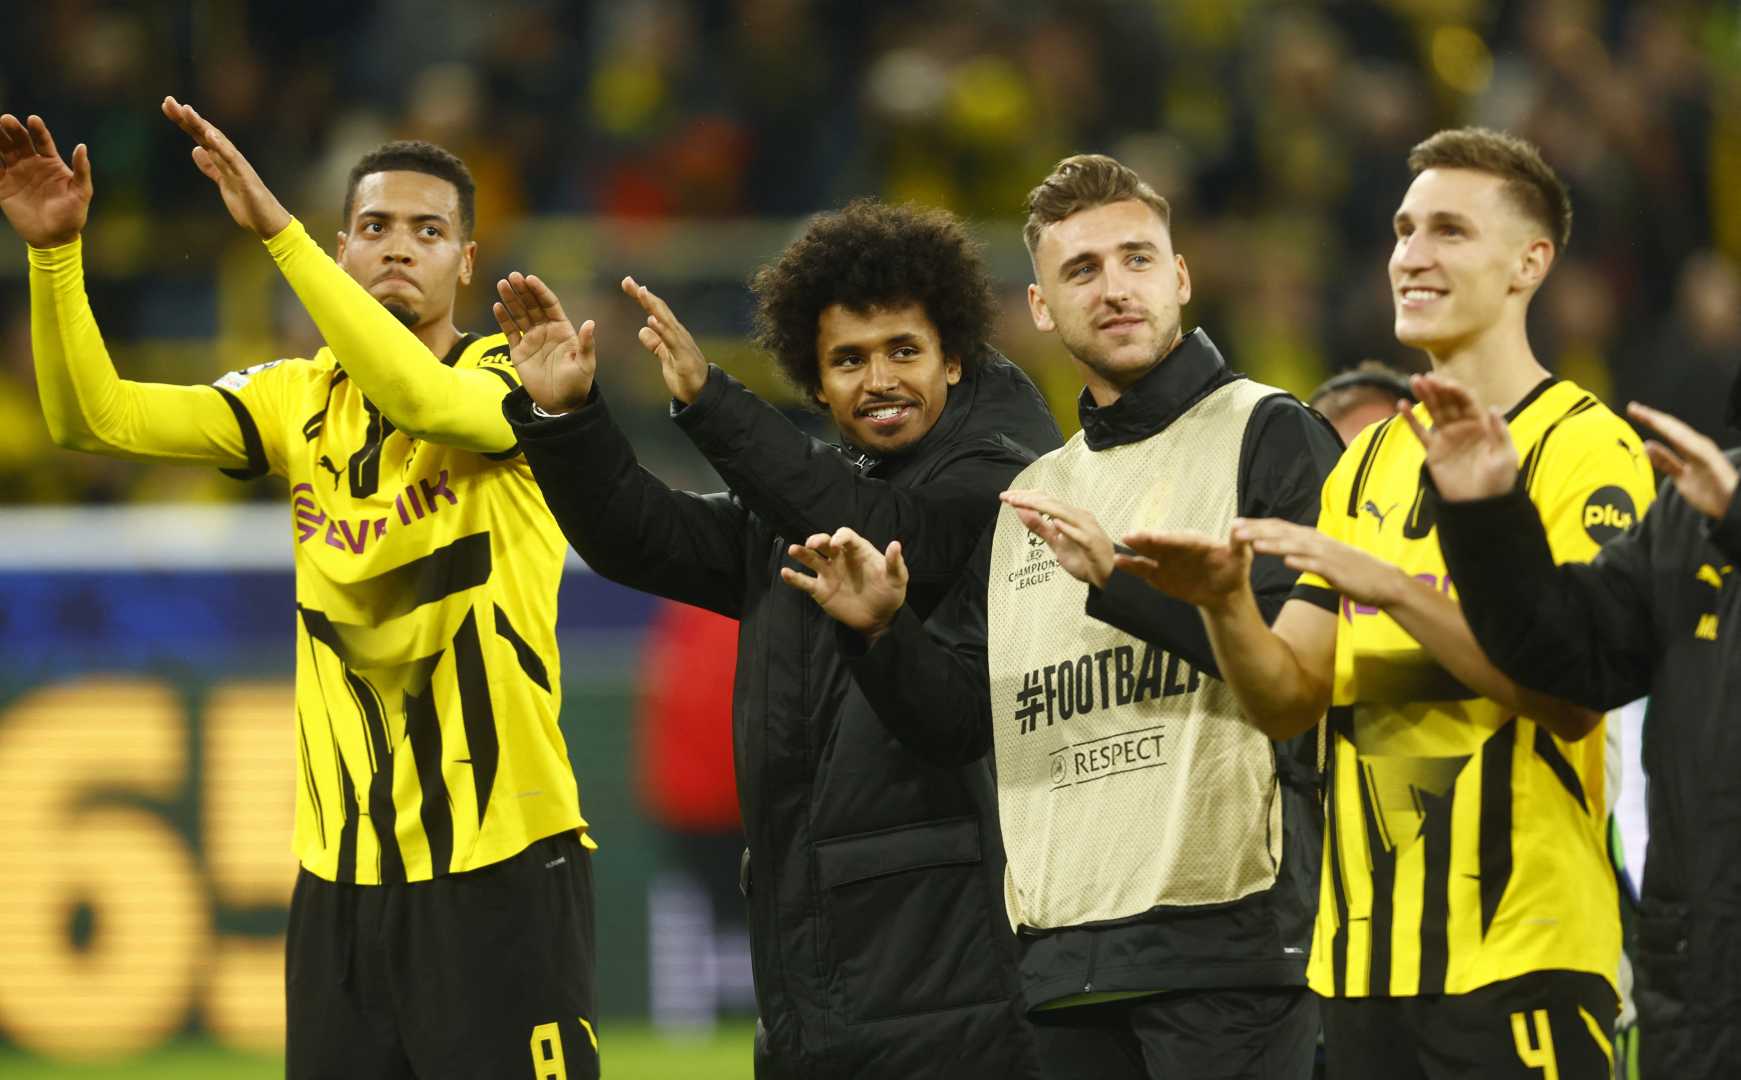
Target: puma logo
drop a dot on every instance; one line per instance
(1712, 576)
(326, 463)
(1372, 508)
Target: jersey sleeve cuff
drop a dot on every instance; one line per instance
(1318, 596)
(527, 419)
(705, 403)
(60, 257)
(287, 239)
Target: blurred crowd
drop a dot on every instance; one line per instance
(1278, 130)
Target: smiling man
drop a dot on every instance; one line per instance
(874, 877)
(1468, 923)
(441, 923)
(1162, 852)
(880, 400)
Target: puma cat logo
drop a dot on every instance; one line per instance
(1712, 576)
(326, 463)
(1372, 508)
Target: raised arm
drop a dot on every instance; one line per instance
(1586, 633)
(410, 385)
(1580, 631)
(802, 486)
(624, 521)
(926, 680)
(1288, 452)
(1281, 675)
(1429, 616)
(86, 404)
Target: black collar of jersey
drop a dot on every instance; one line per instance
(1528, 399)
(459, 348)
(1183, 378)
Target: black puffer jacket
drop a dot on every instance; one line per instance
(878, 933)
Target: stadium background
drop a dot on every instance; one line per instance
(144, 661)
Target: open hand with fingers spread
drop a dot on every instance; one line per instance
(556, 362)
(245, 195)
(851, 580)
(680, 359)
(1077, 541)
(1197, 569)
(44, 198)
(1352, 572)
(1701, 472)
(1469, 448)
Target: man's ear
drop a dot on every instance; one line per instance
(951, 370)
(1184, 280)
(339, 248)
(1037, 308)
(1538, 259)
(467, 258)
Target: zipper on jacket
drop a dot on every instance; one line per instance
(1088, 977)
(761, 985)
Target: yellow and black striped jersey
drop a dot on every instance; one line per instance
(427, 681)
(1464, 845)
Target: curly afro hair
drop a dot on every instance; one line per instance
(872, 255)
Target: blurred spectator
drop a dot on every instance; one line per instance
(1688, 361)
(1578, 338)
(1278, 128)
(1361, 397)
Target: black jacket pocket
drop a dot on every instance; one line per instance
(910, 920)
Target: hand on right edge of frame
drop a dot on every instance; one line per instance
(1700, 470)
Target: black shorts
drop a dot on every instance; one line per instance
(487, 973)
(1259, 1034)
(1546, 1023)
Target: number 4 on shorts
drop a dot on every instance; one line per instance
(1537, 1052)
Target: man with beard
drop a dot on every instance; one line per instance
(874, 877)
(441, 923)
(1162, 850)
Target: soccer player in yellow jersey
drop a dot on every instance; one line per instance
(1467, 922)
(441, 924)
